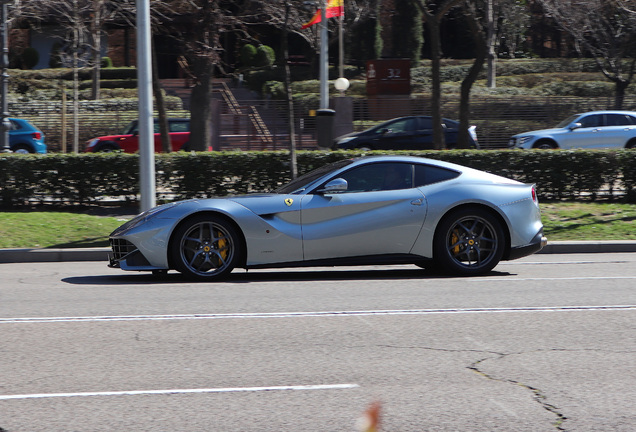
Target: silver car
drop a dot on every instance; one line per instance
(590, 130)
(372, 210)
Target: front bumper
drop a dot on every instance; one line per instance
(126, 256)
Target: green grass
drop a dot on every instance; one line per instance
(589, 221)
(563, 221)
(55, 230)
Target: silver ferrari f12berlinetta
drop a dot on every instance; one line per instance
(376, 210)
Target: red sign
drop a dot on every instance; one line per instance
(389, 77)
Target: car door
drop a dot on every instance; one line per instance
(423, 139)
(617, 130)
(586, 136)
(397, 135)
(379, 213)
(179, 133)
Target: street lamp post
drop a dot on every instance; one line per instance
(5, 124)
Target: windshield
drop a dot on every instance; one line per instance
(299, 185)
(567, 121)
(130, 128)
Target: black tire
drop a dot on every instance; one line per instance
(468, 242)
(21, 149)
(631, 145)
(107, 147)
(545, 145)
(205, 248)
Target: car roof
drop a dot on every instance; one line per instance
(608, 112)
(407, 159)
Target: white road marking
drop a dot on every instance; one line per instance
(264, 315)
(180, 391)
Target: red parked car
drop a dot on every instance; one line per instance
(128, 140)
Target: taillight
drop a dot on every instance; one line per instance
(36, 135)
(534, 196)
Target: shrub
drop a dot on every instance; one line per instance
(30, 58)
(106, 63)
(265, 56)
(85, 178)
(248, 55)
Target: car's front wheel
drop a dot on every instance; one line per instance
(205, 248)
(107, 147)
(468, 242)
(545, 145)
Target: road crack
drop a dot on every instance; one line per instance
(537, 394)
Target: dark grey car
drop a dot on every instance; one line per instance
(403, 133)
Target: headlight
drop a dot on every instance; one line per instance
(92, 143)
(524, 139)
(143, 218)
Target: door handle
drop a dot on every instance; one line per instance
(417, 202)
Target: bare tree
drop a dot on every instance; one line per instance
(603, 29)
(434, 12)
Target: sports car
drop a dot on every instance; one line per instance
(376, 210)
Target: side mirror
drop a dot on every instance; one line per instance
(335, 186)
(576, 126)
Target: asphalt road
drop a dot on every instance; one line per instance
(544, 343)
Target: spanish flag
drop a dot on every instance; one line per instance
(335, 8)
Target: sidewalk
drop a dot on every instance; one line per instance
(101, 254)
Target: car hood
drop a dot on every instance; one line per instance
(543, 132)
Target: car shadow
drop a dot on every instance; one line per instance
(283, 275)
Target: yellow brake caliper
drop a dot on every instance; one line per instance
(455, 240)
(222, 243)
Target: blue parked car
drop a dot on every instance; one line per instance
(25, 138)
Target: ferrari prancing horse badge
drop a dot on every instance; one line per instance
(289, 201)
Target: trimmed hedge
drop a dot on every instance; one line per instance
(92, 178)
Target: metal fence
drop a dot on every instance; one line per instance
(264, 124)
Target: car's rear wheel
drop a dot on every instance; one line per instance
(468, 241)
(21, 149)
(205, 247)
(545, 145)
(631, 145)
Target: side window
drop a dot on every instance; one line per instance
(427, 174)
(399, 126)
(618, 120)
(425, 123)
(379, 176)
(595, 120)
(179, 126)
(14, 125)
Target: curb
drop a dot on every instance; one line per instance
(53, 255)
(101, 254)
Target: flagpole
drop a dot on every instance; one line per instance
(324, 57)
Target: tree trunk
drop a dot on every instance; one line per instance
(164, 128)
(491, 80)
(467, 83)
(433, 22)
(290, 101)
(96, 49)
(200, 108)
(620, 86)
(436, 100)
